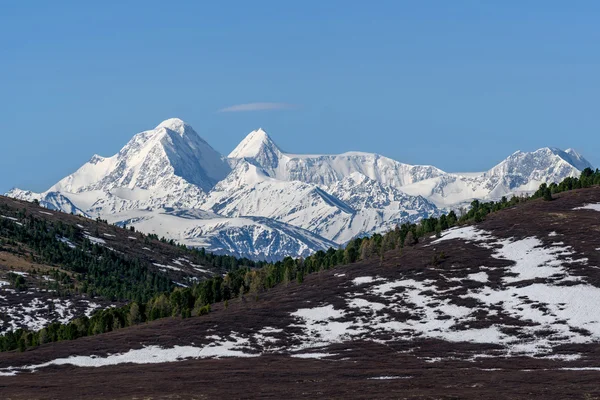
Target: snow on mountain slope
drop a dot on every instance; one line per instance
(50, 200)
(325, 170)
(379, 208)
(576, 159)
(251, 237)
(543, 165)
(449, 190)
(259, 148)
(172, 154)
(166, 166)
(355, 206)
(248, 191)
(367, 180)
(520, 173)
(359, 191)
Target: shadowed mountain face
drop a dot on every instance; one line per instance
(263, 203)
(513, 299)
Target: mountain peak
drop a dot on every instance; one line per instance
(548, 164)
(175, 125)
(170, 157)
(255, 143)
(570, 156)
(577, 160)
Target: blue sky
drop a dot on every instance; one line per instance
(460, 85)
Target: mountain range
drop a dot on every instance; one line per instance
(260, 202)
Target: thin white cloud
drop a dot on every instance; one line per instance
(258, 107)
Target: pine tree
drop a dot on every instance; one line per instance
(134, 316)
(300, 276)
(547, 194)
(410, 239)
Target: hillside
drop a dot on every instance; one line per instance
(506, 308)
(56, 266)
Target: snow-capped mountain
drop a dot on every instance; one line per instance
(326, 170)
(169, 165)
(249, 191)
(356, 205)
(520, 173)
(261, 202)
(167, 155)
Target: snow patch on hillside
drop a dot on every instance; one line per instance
(148, 355)
(595, 207)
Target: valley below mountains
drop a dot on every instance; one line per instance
(262, 203)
